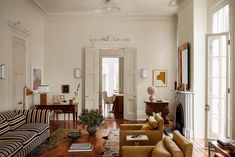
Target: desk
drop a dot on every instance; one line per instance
(66, 108)
(158, 107)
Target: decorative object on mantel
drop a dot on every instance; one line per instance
(43, 90)
(2, 71)
(151, 91)
(181, 87)
(107, 7)
(110, 40)
(160, 78)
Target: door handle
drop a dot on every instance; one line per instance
(207, 107)
(86, 96)
(19, 103)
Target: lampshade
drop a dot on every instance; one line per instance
(43, 89)
(107, 7)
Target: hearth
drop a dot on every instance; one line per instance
(184, 117)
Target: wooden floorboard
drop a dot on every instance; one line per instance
(114, 123)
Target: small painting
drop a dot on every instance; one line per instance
(65, 88)
(160, 78)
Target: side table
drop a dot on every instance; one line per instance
(215, 149)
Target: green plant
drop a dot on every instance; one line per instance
(91, 117)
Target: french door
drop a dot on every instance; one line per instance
(217, 87)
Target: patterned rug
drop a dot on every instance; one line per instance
(112, 144)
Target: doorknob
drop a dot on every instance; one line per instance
(86, 96)
(19, 103)
(207, 107)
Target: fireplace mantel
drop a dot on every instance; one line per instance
(185, 98)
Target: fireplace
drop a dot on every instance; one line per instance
(184, 117)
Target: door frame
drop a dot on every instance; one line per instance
(228, 74)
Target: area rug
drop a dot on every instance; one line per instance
(112, 144)
(47, 145)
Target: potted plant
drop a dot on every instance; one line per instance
(92, 118)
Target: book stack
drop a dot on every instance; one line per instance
(80, 147)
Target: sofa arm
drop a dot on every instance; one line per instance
(36, 116)
(137, 151)
(130, 126)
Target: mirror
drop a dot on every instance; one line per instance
(184, 66)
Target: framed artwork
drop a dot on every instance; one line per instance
(36, 77)
(65, 88)
(160, 78)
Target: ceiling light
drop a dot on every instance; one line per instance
(107, 7)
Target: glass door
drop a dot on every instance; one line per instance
(217, 89)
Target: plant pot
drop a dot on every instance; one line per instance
(91, 130)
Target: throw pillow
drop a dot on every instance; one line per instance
(4, 127)
(152, 121)
(146, 126)
(16, 121)
(173, 147)
(160, 120)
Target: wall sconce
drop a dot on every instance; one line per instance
(43, 90)
(143, 73)
(77, 73)
(2, 71)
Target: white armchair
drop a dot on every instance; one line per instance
(107, 100)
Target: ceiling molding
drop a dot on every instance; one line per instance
(183, 4)
(162, 18)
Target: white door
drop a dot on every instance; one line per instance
(130, 70)
(217, 90)
(18, 71)
(91, 78)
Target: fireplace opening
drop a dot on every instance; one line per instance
(179, 118)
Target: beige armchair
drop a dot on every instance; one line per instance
(179, 146)
(154, 136)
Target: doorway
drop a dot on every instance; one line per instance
(18, 70)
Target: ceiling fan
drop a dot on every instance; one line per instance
(107, 7)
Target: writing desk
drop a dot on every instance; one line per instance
(65, 108)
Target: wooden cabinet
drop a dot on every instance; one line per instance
(156, 107)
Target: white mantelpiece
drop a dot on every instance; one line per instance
(185, 98)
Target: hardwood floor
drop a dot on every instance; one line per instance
(114, 123)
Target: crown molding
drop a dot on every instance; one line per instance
(183, 4)
(159, 18)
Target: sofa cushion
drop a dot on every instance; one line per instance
(152, 121)
(160, 150)
(7, 114)
(8, 148)
(36, 127)
(4, 127)
(16, 121)
(172, 147)
(185, 145)
(22, 136)
(146, 126)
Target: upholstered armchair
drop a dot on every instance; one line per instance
(179, 146)
(154, 135)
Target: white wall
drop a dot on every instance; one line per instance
(19, 10)
(192, 28)
(155, 41)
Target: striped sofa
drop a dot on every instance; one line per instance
(21, 131)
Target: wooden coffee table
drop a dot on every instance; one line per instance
(65, 142)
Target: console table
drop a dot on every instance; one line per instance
(156, 107)
(65, 108)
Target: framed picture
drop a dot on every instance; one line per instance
(36, 77)
(160, 78)
(65, 88)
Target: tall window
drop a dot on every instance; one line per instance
(221, 20)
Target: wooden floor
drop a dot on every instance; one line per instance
(114, 123)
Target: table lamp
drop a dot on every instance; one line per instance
(43, 90)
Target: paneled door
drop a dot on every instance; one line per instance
(218, 87)
(130, 69)
(18, 71)
(91, 78)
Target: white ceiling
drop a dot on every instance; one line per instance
(86, 7)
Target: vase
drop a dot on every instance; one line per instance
(91, 130)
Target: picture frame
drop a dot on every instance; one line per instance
(160, 78)
(2, 71)
(36, 77)
(65, 88)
